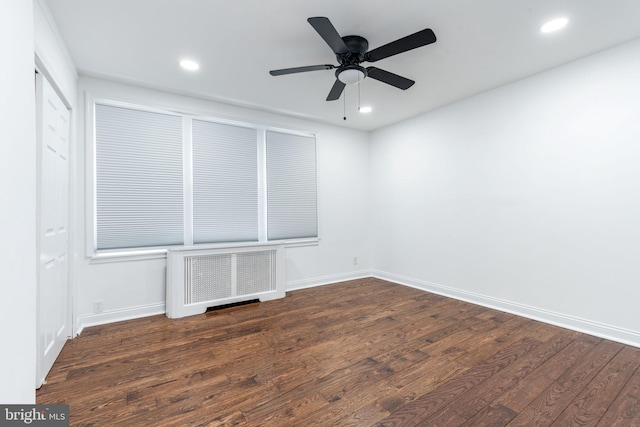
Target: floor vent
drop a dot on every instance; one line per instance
(198, 279)
(232, 305)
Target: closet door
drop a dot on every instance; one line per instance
(53, 314)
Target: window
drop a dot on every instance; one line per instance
(291, 186)
(139, 178)
(225, 183)
(165, 179)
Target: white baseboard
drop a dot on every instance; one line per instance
(601, 330)
(112, 316)
(295, 285)
(95, 319)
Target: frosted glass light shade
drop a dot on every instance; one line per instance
(350, 77)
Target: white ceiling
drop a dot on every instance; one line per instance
(481, 45)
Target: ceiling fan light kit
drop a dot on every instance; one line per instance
(351, 51)
(351, 74)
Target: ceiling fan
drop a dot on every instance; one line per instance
(351, 51)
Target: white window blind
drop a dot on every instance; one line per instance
(225, 183)
(291, 186)
(139, 178)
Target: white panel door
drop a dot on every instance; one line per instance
(53, 314)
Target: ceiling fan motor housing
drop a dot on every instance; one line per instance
(358, 46)
(350, 71)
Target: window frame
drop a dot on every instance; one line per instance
(159, 252)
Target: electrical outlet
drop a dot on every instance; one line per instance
(97, 306)
(355, 260)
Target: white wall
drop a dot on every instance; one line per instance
(18, 213)
(130, 288)
(526, 197)
(54, 58)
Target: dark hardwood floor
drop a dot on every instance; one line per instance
(359, 353)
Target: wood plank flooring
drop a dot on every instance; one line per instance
(360, 353)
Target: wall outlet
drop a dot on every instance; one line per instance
(97, 306)
(355, 260)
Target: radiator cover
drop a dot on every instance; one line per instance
(201, 278)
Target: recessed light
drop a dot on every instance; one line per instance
(190, 65)
(365, 109)
(554, 25)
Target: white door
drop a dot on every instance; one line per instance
(53, 314)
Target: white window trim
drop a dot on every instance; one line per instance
(132, 254)
(187, 159)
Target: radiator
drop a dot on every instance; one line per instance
(201, 278)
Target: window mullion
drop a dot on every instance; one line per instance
(262, 185)
(187, 157)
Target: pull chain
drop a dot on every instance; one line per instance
(359, 93)
(344, 104)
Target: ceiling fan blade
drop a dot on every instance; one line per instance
(336, 91)
(415, 40)
(327, 31)
(300, 69)
(389, 78)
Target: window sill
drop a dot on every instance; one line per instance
(110, 256)
(128, 255)
(295, 243)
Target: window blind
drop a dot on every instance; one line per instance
(291, 186)
(139, 178)
(225, 183)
